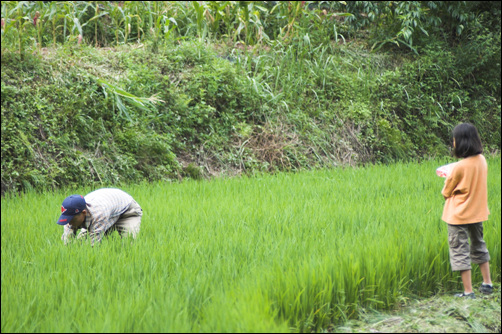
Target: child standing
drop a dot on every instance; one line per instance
(466, 207)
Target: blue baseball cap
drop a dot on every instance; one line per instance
(71, 206)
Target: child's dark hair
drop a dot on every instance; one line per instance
(467, 141)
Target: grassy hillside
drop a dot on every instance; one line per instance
(74, 115)
(318, 88)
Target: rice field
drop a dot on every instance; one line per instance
(272, 253)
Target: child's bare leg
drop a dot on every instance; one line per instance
(466, 279)
(485, 271)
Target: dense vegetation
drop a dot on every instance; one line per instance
(291, 252)
(98, 92)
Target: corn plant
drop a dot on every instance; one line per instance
(118, 18)
(17, 20)
(73, 20)
(218, 13)
(200, 8)
(99, 11)
(247, 22)
(53, 16)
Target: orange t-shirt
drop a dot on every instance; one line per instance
(466, 192)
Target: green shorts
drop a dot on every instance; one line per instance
(461, 253)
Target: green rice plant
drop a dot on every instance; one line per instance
(268, 253)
